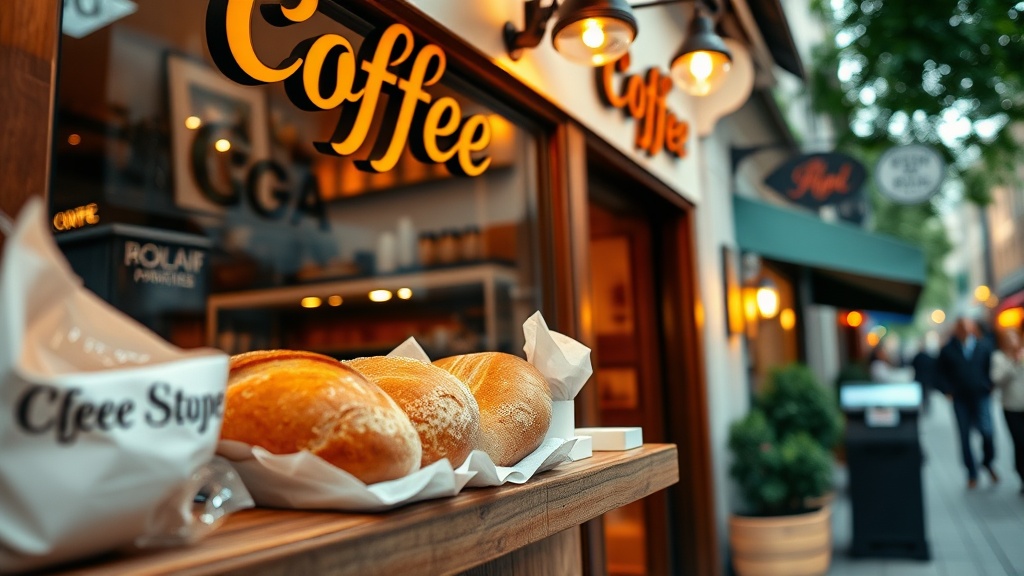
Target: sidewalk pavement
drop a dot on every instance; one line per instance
(970, 533)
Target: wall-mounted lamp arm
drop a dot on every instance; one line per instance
(535, 24)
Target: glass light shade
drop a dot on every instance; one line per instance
(595, 41)
(701, 72)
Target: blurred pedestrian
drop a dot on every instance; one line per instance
(964, 364)
(1008, 376)
(926, 373)
(882, 367)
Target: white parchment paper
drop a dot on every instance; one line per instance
(304, 480)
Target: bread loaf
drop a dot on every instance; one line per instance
(440, 406)
(287, 401)
(514, 401)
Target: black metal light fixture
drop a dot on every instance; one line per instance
(703, 61)
(590, 32)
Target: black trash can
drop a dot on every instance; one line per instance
(884, 462)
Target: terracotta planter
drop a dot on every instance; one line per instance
(798, 545)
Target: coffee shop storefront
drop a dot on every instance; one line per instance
(338, 176)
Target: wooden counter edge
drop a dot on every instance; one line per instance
(439, 536)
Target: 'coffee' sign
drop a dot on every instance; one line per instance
(643, 98)
(324, 72)
(816, 180)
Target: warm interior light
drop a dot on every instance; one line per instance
(854, 319)
(787, 319)
(193, 122)
(767, 300)
(992, 301)
(311, 302)
(404, 293)
(222, 145)
(1010, 318)
(703, 61)
(380, 295)
(873, 339)
(750, 305)
(335, 300)
(938, 316)
(982, 293)
(74, 139)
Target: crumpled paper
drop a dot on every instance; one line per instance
(101, 422)
(304, 480)
(410, 349)
(547, 456)
(564, 362)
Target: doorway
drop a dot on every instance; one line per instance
(628, 360)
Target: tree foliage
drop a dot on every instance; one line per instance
(946, 73)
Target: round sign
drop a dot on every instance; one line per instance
(909, 174)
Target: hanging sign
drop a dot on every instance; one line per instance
(816, 180)
(910, 174)
(325, 72)
(642, 97)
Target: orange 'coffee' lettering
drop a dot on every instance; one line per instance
(433, 129)
(644, 100)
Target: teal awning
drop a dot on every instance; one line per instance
(850, 268)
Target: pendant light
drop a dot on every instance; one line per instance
(594, 32)
(588, 32)
(703, 61)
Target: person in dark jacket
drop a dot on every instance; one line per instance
(926, 373)
(964, 366)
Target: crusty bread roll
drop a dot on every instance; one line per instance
(440, 406)
(287, 401)
(514, 400)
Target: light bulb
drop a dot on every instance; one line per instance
(222, 145)
(767, 301)
(593, 34)
(701, 66)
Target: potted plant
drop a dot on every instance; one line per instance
(782, 463)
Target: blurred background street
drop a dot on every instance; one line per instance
(976, 533)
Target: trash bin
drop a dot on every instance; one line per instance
(884, 461)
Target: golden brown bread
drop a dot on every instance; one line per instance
(514, 400)
(440, 406)
(288, 401)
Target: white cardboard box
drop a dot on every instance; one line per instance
(582, 449)
(613, 439)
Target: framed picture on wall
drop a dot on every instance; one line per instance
(218, 130)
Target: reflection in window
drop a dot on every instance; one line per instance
(246, 237)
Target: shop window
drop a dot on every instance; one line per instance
(212, 217)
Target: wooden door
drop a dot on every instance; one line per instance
(628, 373)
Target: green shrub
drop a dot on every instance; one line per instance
(781, 449)
(794, 402)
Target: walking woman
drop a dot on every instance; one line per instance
(1008, 375)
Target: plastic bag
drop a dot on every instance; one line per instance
(102, 423)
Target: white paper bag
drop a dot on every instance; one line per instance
(101, 421)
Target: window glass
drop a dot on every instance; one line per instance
(203, 207)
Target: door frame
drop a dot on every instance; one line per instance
(691, 502)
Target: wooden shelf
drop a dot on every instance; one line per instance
(489, 275)
(440, 536)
